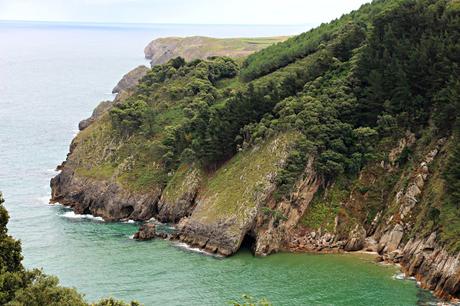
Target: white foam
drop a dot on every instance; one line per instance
(153, 220)
(400, 276)
(129, 221)
(185, 246)
(131, 237)
(72, 215)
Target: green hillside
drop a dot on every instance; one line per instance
(366, 108)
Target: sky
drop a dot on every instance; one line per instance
(289, 12)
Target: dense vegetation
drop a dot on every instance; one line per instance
(22, 287)
(350, 88)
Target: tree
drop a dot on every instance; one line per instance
(20, 287)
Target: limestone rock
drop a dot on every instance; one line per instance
(146, 232)
(391, 239)
(106, 199)
(178, 200)
(433, 266)
(356, 239)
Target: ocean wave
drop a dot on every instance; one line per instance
(72, 215)
(129, 222)
(402, 276)
(186, 247)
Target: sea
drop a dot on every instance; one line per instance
(52, 75)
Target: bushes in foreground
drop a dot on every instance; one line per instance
(21, 287)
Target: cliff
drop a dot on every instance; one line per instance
(161, 50)
(339, 139)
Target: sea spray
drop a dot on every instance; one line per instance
(72, 215)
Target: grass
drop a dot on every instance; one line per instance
(236, 188)
(324, 208)
(102, 172)
(184, 178)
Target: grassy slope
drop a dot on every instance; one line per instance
(234, 190)
(199, 47)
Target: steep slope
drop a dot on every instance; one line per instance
(343, 138)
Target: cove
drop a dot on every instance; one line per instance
(53, 76)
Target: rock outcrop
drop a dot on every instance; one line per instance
(278, 221)
(131, 79)
(105, 199)
(421, 256)
(226, 213)
(178, 199)
(146, 232)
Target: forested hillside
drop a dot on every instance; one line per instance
(342, 138)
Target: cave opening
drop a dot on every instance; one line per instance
(248, 243)
(87, 211)
(127, 211)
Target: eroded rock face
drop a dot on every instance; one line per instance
(387, 232)
(223, 236)
(391, 239)
(225, 213)
(178, 200)
(433, 266)
(273, 233)
(131, 79)
(356, 239)
(101, 198)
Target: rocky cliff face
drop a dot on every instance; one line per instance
(226, 213)
(105, 198)
(393, 231)
(161, 50)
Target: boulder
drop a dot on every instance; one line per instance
(356, 239)
(391, 239)
(146, 232)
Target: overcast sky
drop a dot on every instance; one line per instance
(179, 11)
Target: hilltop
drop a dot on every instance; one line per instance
(161, 50)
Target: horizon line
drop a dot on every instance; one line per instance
(149, 23)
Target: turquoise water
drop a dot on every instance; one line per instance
(52, 76)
